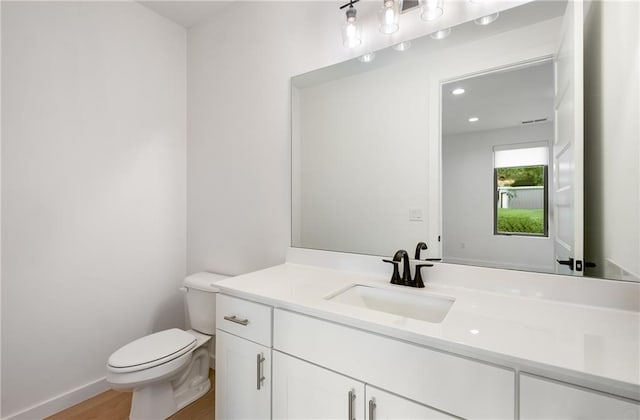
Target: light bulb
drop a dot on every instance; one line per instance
(431, 9)
(389, 16)
(351, 32)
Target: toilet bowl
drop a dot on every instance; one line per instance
(169, 369)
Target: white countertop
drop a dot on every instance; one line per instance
(592, 346)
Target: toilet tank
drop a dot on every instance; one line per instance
(200, 301)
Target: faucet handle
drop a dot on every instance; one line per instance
(417, 281)
(395, 278)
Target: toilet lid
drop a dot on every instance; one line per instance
(152, 350)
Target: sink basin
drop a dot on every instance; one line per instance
(423, 307)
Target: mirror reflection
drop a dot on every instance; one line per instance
(497, 135)
(385, 155)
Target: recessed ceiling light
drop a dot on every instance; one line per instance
(485, 20)
(458, 91)
(367, 58)
(403, 46)
(474, 119)
(474, 331)
(441, 34)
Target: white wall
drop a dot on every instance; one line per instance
(239, 130)
(93, 190)
(612, 133)
(467, 233)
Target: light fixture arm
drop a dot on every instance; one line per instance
(350, 4)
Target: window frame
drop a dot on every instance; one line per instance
(545, 234)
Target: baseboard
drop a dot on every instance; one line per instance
(62, 401)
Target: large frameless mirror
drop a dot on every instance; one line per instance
(385, 154)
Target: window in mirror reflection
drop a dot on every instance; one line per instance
(521, 191)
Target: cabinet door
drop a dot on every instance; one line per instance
(243, 384)
(546, 399)
(382, 405)
(305, 391)
(457, 385)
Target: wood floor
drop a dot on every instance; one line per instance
(113, 405)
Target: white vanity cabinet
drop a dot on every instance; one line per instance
(243, 378)
(280, 364)
(382, 405)
(542, 398)
(448, 383)
(243, 359)
(305, 391)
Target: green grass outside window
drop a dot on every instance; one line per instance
(521, 221)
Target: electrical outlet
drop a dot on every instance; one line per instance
(415, 214)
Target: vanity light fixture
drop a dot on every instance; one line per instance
(458, 91)
(485, 20)
(431, 9)
(403, 46)
(389, 16)
(367, 58)
(351, 30)
(474, 119)
(441, 34)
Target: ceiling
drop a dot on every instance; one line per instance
(491, 98)
(186, 13)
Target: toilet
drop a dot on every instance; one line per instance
(169, 369)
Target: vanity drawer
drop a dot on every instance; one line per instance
(542, 398)
(453, 384)
(243, 318)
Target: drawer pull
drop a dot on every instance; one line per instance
(352, 396)
(372, 408)
(260, 375)
(236, 320)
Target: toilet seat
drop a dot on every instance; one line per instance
(151, 351)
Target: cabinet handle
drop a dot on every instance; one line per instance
(236, 320)
(372, 408)
(352, 396)
(259, 366)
